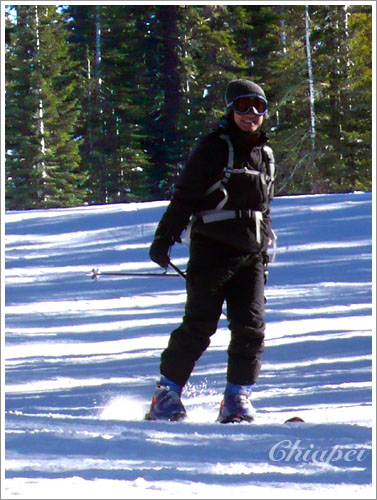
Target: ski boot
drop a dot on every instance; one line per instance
(166, 402)
(236, 406)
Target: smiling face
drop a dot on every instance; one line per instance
(249, 122)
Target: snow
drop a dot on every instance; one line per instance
(82, 357)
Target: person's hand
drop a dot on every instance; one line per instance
(159, 250)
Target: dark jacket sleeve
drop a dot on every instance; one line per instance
(190, 188)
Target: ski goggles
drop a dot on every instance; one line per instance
(251, 102)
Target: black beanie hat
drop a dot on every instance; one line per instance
(238, 88)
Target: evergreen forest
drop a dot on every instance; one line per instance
(103, 103)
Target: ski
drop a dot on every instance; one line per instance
(232, 419)
(240, 419)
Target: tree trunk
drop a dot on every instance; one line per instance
(40, 118)
(311, 97)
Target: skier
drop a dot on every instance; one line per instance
(222, 199)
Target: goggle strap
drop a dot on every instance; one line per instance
(250, 95)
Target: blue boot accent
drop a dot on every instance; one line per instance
(166, 402)
(169, 383)
(236, 389)
(236, 405)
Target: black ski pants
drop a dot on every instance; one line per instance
(216, 275)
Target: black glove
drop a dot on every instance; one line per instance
(159, 250)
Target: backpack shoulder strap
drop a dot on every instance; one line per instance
(229, 165)
(269, 156)
(226, 174)
(269, 160)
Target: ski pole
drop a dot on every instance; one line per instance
(173, 266)
(95, 273)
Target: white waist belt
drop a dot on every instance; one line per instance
(218, 215)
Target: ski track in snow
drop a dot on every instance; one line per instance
(82, 358)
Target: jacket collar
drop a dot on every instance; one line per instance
(239, 138)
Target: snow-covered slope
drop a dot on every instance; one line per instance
(82, 358)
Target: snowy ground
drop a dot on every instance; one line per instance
(82, 357)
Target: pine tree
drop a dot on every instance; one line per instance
(357, 122)
(23, 173)
(334, 98)
(105, 41)
(330, 58)
(291, 138)
(81, 23)
(63, 181)
(46, 174)
(110, 99)
(162, 81)
(124, 70)
(211, 56)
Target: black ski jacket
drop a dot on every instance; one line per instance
(205, 167)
